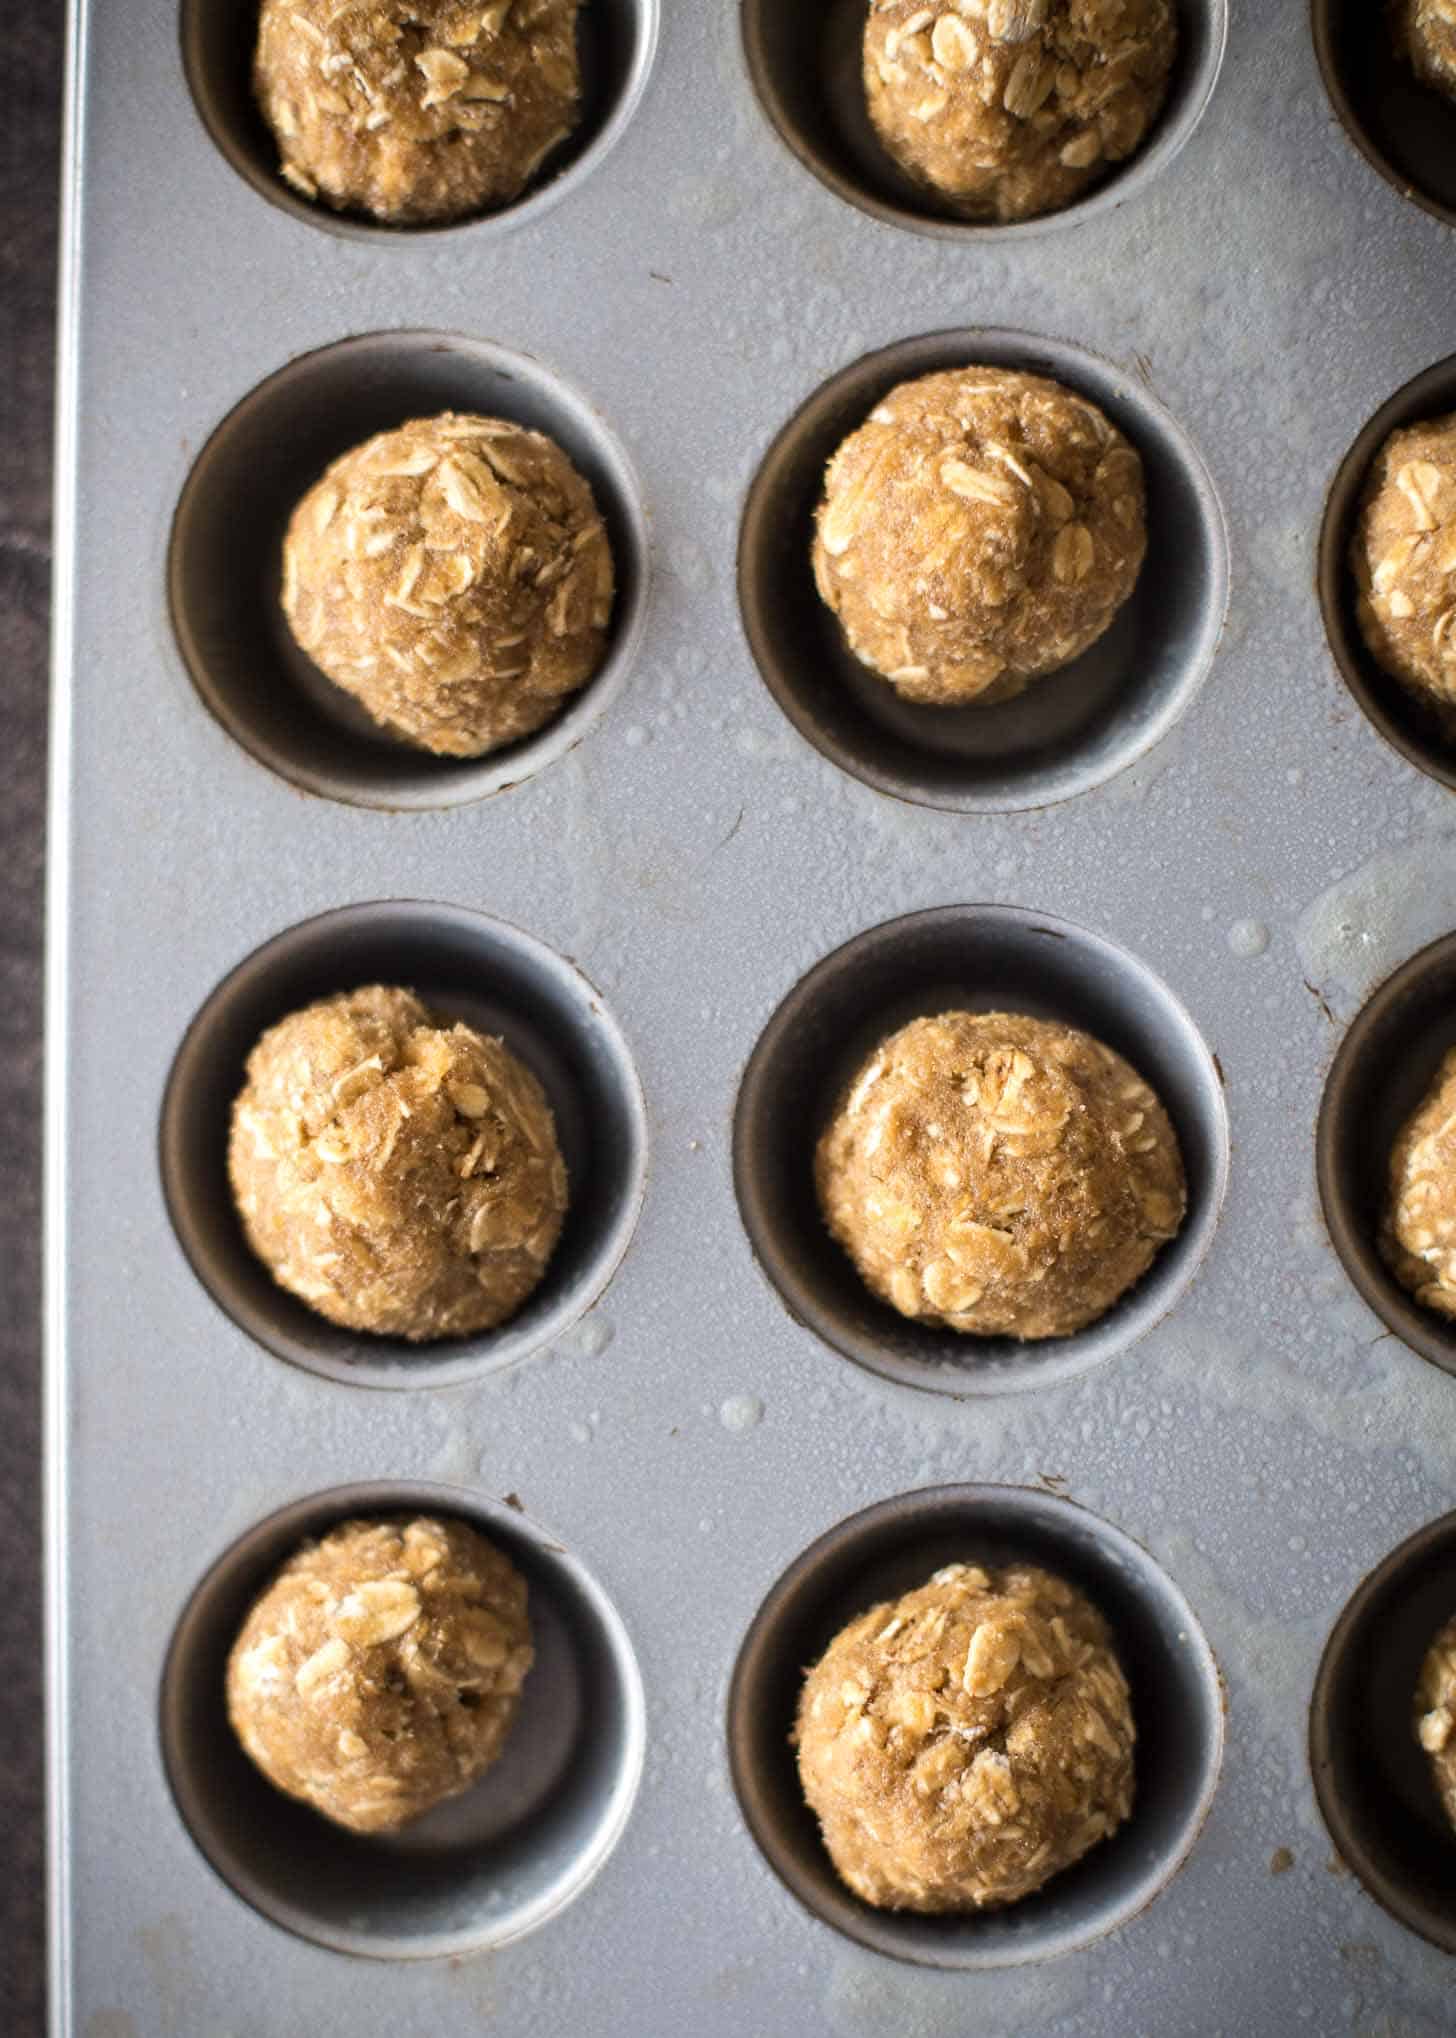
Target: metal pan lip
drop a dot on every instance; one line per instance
(1058, 1360)
(865, 379)
(529, 209)
(1390, 708)
(1398, 1899)
(1366, 1049)
(418, 781)
(380, 1364)
(1127, 181)
(308, 1514)
(1322, 29)
(958, 1944)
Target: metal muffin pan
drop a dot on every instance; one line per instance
(636, 906)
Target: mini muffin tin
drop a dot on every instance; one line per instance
(1224, 844)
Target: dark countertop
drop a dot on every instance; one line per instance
(29, 150)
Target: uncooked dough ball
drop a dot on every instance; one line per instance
(1425, 34)
(381, 1670)
(1418, 1224)
(981, 528)
(455, 577)
(399, 1176)
(965, 1743)
(1404, 559)
(1436, 1715)
(1004, 1176)
(417, 111)
(1010, 108)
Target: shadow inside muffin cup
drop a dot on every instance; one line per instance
(1381, 1072)
(806, 64)
(616, 41)
(979, 959)
(1421, 735)
(1404, 129)
(464, 967)
(479, 1871)
(891, 1548)
(1371, 1776)
(1070, 731)
(225, 560)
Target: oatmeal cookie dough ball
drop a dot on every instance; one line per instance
(965, 1743)
(1004, 1176)
(416, 111)
(1404, 560)
(1425, 35)
(1435, 1720)
(1011, 108)
(398, 1176)
(455, 577)
(381, 1670)
(1418, 1223)
(980, 529)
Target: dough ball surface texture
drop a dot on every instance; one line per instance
(1004, 1176)
(1425, 34)
(416, 112)
(1435, 1720)
(380, 1672)
(965, 1743)
(1012, 108)
(1418, 1224)
(980, 529)
(398, 1176)
(1404, 560)
(455, 577)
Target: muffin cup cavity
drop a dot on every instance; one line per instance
(617, 40)
(974, 958)
(1383, 1068)
(1371, 1776)
(1418, 731)
(805, 64)
(1404, 129)
(464, 967)
(1177, 1700)
(1068, 732)
(225, 561)
(477, 1872)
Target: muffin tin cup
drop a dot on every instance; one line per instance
(976, 958)
(1381, 1071)
(1371, 1776)
(889, 1549)
(1067, 733)
(475, 1873)
(1399, 715)
(225, 561)
(617, 40)
(805, 62)
(1404, 129)
(465, 967)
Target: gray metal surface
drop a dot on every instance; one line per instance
(695, 857)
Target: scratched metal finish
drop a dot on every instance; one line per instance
(695, 857)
